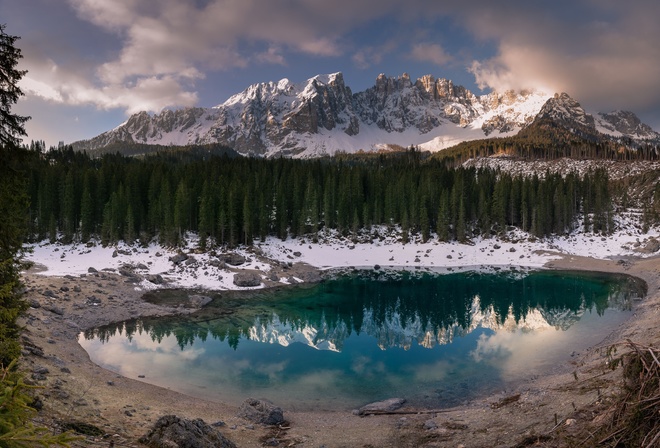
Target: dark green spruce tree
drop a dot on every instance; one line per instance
(16, 428)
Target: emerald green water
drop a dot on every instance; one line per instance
(436, 340)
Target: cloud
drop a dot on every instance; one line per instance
(432, 53)
(603, 53)
(166, 46)
(368, 56)
(55, 84)
(272, 56)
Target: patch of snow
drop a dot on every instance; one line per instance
(333, 251)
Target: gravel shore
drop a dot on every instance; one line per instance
(556, 406)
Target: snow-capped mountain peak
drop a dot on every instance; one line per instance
(623, 123)
(322, 116)
(563, 108)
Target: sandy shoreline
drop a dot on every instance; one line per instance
(77, 389)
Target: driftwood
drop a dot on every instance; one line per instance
(505, 401)
(406, 412)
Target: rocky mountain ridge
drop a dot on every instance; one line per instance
(322, 116)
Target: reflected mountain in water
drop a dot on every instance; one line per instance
(396, 310)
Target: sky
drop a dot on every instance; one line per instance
(93, 63)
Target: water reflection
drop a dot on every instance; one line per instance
(363, 337)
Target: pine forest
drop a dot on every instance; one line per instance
(231, 200)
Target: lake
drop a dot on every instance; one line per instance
(438, 340)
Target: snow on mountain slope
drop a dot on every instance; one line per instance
(622, 123)
(322, 116)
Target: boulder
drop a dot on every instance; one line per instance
(232, 259)
(171, 431)
(156, 279)
(246, 279)
(54, 310)
(261, 411)
(178, 258)
(198, 301)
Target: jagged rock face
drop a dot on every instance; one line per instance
(565, 110)
(396, 104)
(626, 123)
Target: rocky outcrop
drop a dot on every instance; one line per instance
(247, 279)
(565, 110)
(261, 411)
(626, 123)
(171, 431)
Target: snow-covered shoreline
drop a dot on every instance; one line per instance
(331, 252)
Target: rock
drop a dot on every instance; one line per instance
(261, 411)
(34, 303)
(39, 377)
(297, 254)
(171, 431)
(77, 288)
(273, 277)
(156, 279)
(310, 276)
(115, 254)
(197, 301)
(64, 288)
(126, 272)
(246, 279)
(93, 301)
(377, 266)
(389, 405)
(178, 258)
(233, 259)
(651, 247)
(142, 266)
(37, 404)
(91, 270)
(430, 425)
(49, 293)
(54, 310)
(217, 264)
(512, 249)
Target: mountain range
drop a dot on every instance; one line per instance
(322, 116)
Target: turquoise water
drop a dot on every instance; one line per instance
(437, 340)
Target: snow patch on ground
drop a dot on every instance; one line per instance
(380, 247)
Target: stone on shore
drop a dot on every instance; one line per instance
(172, 431)
(246, 279)
(261, 411)
(389, 405)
